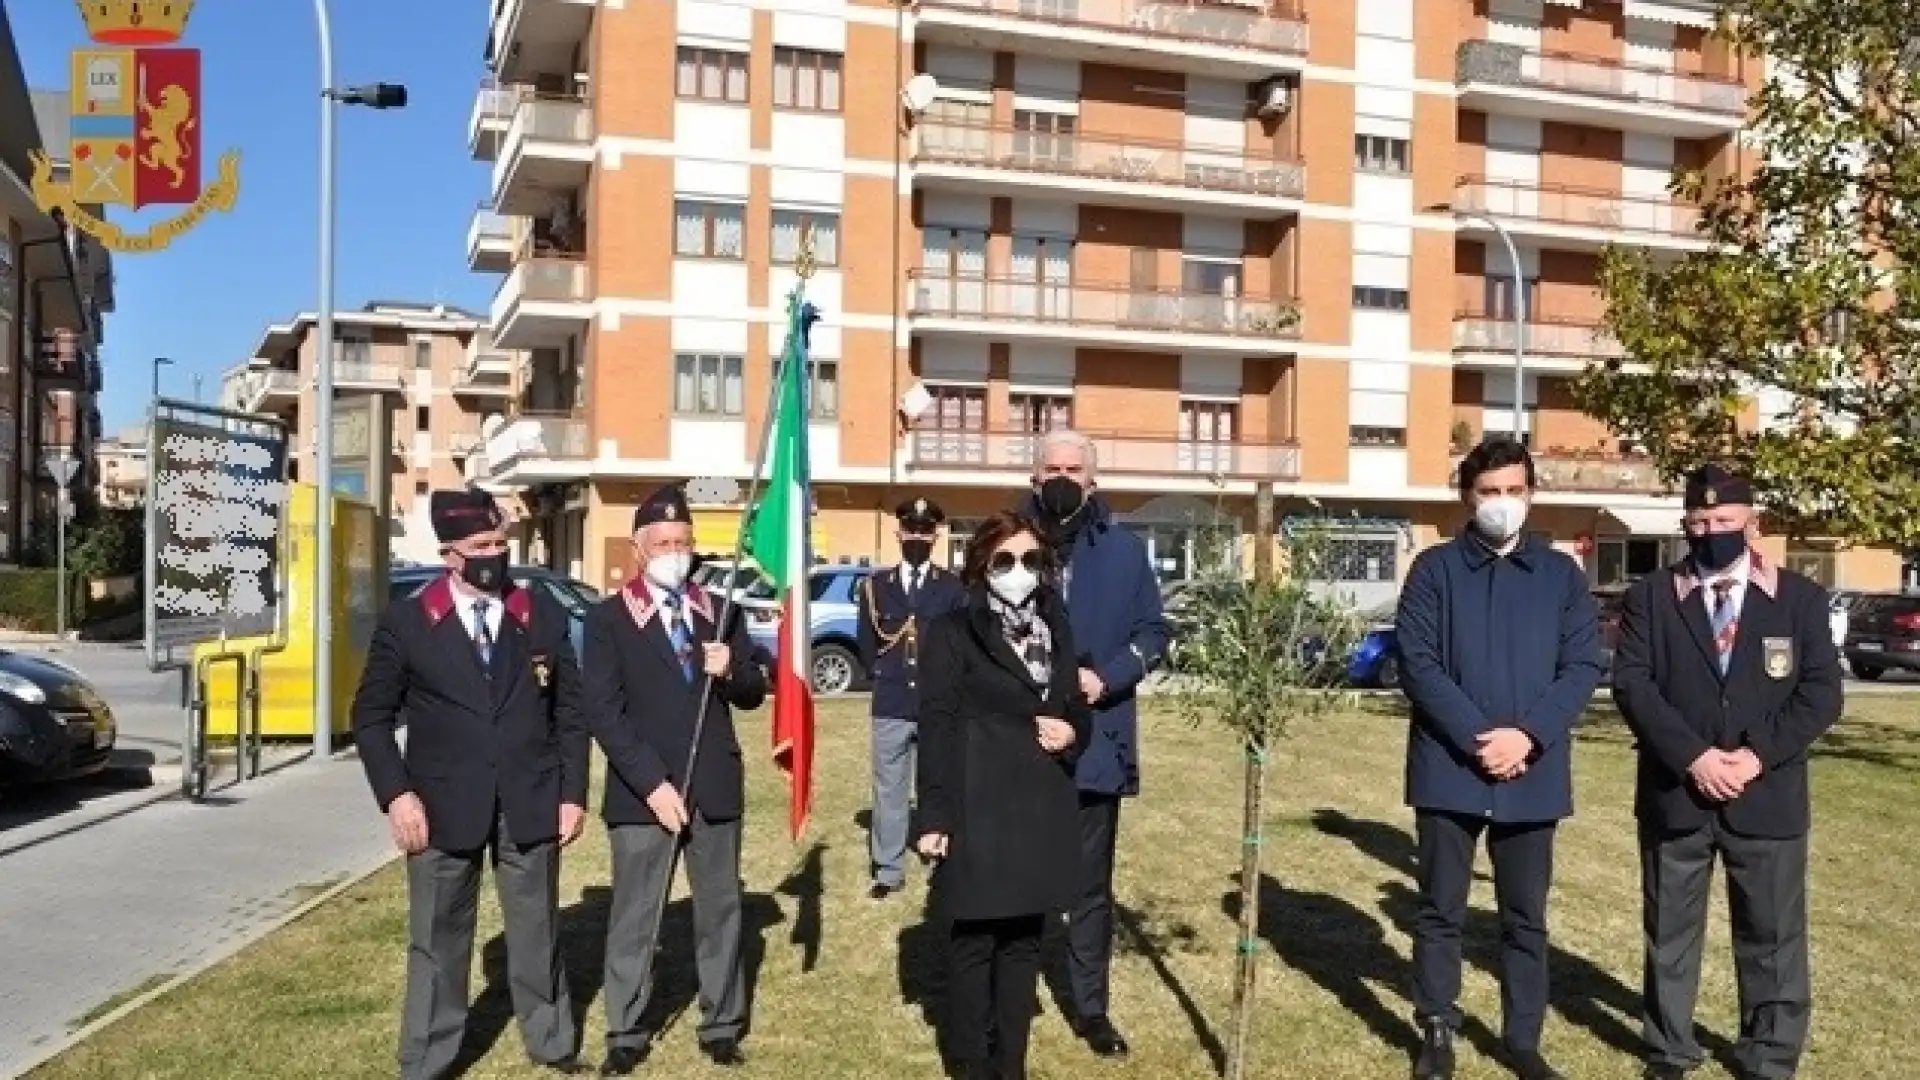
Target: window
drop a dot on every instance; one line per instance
(794, 228)
(1374, 298)
(1360, 557)
(806, 79)
(422, 418)
(1380, 153)
(423, 354)
(1499, 296)
(705, 384)
(703, 230)
(1206, 435)
(1039, 413)
(957, 129)
(1043, 136)
(823, 388)
(354, 350)
(1386, 437)
(957, 419)
(712, 75)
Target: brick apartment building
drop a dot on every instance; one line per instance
(56, 284)
(432, 365)
(1231, 241)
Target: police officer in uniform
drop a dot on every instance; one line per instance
(895, 606)
(496, 762)
(1727, 674)
(649, 650)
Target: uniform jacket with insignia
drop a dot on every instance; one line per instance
(892, 631)
(505, 737)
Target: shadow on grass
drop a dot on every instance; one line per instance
(920, 967)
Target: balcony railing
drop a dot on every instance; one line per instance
(552, 278)
(1560, 469)
(348, 371)
(1557, 204)
(1120, 454)
(537, 435)
(1263, 27)
(1547, 335)
(1517, 65)
(561, 118)
(490, 226)
(1112, 307)
(1108, 157)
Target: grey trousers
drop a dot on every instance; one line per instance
(1767, 896)
(642, 855)
(894, 742)
(443, 901)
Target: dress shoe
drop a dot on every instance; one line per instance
(880, 890)
(1103, 1038)
(623, 1060)
(566, 1066)
(1535, 1067)
(1436, 1054)
(724, 1052)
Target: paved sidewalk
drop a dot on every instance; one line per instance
(118, 907)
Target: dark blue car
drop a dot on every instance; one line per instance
(834, 607)
(1374, 662)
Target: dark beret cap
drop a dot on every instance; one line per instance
(667, 504)
(920, 513)
(1714, 485)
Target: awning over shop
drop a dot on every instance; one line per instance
(1641, 520)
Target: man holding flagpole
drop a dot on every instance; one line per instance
(650, 648)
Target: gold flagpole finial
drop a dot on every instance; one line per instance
(803, 264)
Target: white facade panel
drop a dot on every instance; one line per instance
(1035, 218)
(966, 67)
(809, 139)
(944, 360)
(826, 33)
(1377, 408)
(701, 129)
(1376, 193)
(1213, 236)
(824, 292)
(956, 211)
(1379, 375)
(824, 341)
(1383, 56)
(714, 22)
(1382, 239)
(1383, 126)
(709, 447)
(823, 445)
(1211, 376)
(709, 287)
(1373, 469)
(1040, 367)
(1383, 102)
(1385, 18)
(1381, 333)
(1215, 132)
(725, 336)
(1382, 271)
(807, 187)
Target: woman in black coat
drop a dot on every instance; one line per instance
(1001, 722)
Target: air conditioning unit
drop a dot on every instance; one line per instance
(1273, 98)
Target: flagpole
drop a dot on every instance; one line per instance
(803, 268)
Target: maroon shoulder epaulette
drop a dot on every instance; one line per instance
(519, 605)
(437, 600)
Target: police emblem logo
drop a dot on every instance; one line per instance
(1779, 656)
(1710, 497)
(669, 512)
(920, 506)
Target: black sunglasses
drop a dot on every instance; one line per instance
(1003, 560)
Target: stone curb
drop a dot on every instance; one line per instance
(200, 967)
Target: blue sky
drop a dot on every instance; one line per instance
(407, 188)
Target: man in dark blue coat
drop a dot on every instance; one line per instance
(1500, 650)
(896, 604)
(1113, 604)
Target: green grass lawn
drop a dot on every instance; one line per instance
(845, 986)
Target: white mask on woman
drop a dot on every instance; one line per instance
(1015, 584)
(669, 571)
(1500, 518)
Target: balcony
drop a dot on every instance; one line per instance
(261, 391)
(1155, 458)
(1576, 219)
(547, 149)
(485, 362)
(1589, 472)
(536, 448)
(1513, 80)
(489, 241)
(1113, 170)
(545, 300)
(492, 115)
(1094, 314)
(537, 37)
(352, 373)
(487, 375)
(63, 362)
(1553, 342)
(1225, 40)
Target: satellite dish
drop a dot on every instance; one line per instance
(491, 425)
(919, 93)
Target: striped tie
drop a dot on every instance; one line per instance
(678, 635)
(1726, 621)
(482, 633)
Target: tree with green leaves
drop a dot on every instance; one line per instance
(1806, 305)
(1258, 658)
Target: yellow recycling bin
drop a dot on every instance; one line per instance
(286, 677)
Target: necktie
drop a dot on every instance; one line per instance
(913, 582)
(482, 635)
(678, 635)
(1726, 621)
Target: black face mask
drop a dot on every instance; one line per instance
(1061, 497)
(1717, 550)
(488, 573)
(916, 550)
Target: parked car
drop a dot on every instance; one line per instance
(1840, 604)
(1608, 599)
(749, 585)
(1883, 631)
(834, 608)
(574, 596)
(53, 724)
(1374, 661)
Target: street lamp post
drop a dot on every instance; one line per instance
(378, 96)
(158, 363)
(1519, 314)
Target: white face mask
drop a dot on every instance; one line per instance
(1015, 584)
(1499, 519)
(669, 571)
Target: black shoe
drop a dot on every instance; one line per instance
(623, 1060)
(1436, 1054)
(1665, 1072)
(724, 1052)
(880, 890)
(1534, 1067)
(566, 1066)
(1103, 1038)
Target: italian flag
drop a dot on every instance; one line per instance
(777, 539)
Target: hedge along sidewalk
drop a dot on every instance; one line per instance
(161, 894)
